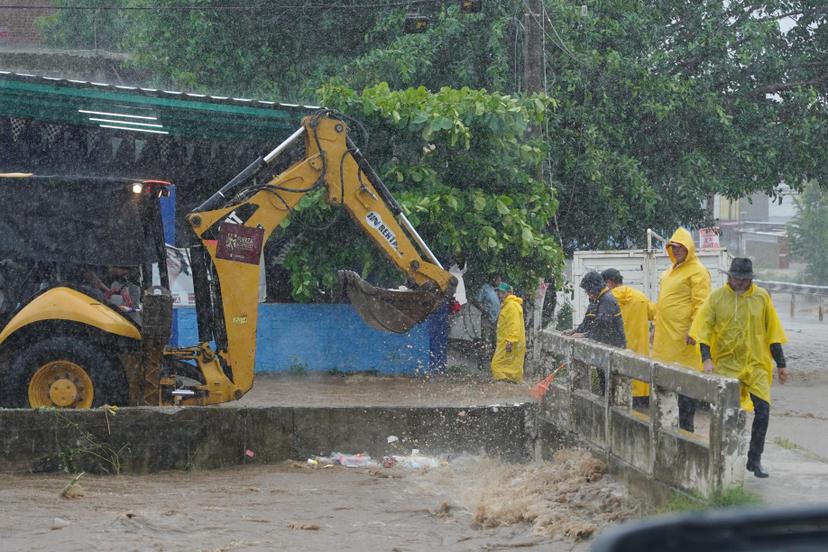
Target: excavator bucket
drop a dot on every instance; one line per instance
(389, 309)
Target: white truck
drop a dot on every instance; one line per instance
(641, 269)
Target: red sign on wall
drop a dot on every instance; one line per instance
(709, 237)
(239, 243)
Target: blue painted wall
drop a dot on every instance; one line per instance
(323, 338)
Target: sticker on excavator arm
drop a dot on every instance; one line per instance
(375, 221)
(239, 243)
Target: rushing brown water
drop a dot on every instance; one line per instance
(471, 503)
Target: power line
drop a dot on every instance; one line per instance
(560, 45)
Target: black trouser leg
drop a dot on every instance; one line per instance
(761, 418)
(687, 413)
(641, 402)
(602, 382)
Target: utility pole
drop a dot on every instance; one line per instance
(532, 46)
(532, 83)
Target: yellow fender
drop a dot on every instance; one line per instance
(62, 303)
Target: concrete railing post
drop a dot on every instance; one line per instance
(656, 422)
(727, 424)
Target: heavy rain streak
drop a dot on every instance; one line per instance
(413, 275)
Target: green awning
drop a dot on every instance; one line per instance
(147, 111)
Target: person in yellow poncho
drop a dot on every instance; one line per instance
(739, 332)
(636, 311)
(682, 290)
(507, 362)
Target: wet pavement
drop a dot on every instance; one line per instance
(796, 448)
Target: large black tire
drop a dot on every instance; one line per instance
(108, 378)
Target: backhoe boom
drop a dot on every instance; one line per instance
(234, 224)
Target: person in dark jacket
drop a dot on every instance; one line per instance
(602, 321)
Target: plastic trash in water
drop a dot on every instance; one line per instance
(415, 462)
(358, 460)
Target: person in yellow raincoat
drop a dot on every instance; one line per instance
(636, 312)
(739, 333)
(682, 290)
(507, 362)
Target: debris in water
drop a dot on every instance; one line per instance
(73, 489)
(360, 460)
(60, 523)
(249, 453)
(303, 526)
(442, 511)
(382, 474)
(415, 461)
(392, 439)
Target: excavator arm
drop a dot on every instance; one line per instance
(234, 223)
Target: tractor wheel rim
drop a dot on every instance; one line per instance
(61, 384)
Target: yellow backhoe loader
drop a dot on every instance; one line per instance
(68, 339)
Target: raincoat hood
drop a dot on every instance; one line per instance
(682, 236)
(512, 298)
(624, 295)
(681, 291)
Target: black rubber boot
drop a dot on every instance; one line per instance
(757, 469)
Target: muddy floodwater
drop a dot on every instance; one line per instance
(467, 503)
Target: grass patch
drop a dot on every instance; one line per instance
(786, 443)
(730, 498)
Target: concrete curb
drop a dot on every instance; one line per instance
(144, 439)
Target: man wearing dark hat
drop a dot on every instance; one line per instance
(602, 321)
(740, 336)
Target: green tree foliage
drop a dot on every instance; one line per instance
(459, 163)
(100, 28)
(661, 102)
(266, 49)
(808, 233)
(458, 50)
(665, 103)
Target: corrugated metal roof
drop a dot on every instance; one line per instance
(145, 110)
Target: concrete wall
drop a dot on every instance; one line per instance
(140, 440)
(17, 24)
(325, 338)
(642, 445)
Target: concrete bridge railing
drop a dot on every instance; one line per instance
(644, 444)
